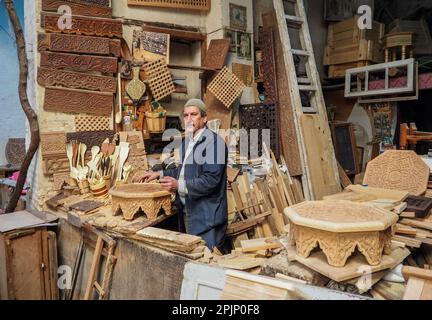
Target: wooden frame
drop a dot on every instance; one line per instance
(198, 5)
(238, 17)
(338, 148)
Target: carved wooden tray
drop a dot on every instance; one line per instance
(398, 170)
(339, 227)
(149, 197)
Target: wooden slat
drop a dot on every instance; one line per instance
(94, 269)
(78, 101)
(79, 63)
(81, 8)
(48, 77)
(78, 44)
(83, 25)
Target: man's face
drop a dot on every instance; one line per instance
(193, 120)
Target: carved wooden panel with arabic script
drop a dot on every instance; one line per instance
(86, 26)
(53, 77)
(78, 101)
(78, 44)
(79, 63)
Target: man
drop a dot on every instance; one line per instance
(200, 180)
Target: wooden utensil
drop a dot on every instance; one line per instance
(113, 159)
(124, 153)
(69, 153)
(136, 88)
(83, 149)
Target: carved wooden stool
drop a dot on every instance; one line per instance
(399, 40)
(149, 197)
(339, 227)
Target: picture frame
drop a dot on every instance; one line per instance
(238, 17)
(244, 45)
(232, 35)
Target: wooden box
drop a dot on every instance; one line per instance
(347, 43)
(422, 39)
(28, 265)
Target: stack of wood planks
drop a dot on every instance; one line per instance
(349, 47)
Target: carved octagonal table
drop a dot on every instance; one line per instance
(339, 227)
(149, 197)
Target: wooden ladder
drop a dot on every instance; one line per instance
(291, 15)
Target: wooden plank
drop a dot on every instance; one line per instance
(355, 267)
(345, 180)
(289, 139)
(323, 181)
(167, 235)
(416, 223)
(243, 262)
(100, 27)
(92, 276)
(410, 242)
(48, 77)
(78, 44)
(81, 8)
(78, 101)
(79, 63)
(53, 264)
(260, 244)
(201, 5)
(379, 192)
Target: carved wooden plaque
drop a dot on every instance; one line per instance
(92, 123)
(59, 179)
(105, 3)
(15, 151)
(79, 63)
(86, 26)
(53, 77)
(78, 44)
(179, 4)
(243, 72)
(226, 87)
(90, 138)
(216, 54)
(266, 39)
(56, 164)
(290, 149)
(398, 170)
(78, 101)
(150, 46)
(80, 8)
(53, 144)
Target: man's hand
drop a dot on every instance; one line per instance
(146, 177)
(170, 184)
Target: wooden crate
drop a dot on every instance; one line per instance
(338, 70)
(422, 40)
(347, 43)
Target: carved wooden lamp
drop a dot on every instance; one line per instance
(339, 227)
(149, 197)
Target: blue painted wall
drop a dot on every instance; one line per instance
(12, 118)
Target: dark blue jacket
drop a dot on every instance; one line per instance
(205, 174)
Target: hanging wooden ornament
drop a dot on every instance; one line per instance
(136, 88)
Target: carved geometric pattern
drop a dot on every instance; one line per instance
(78, 44)
(56, 164)
(90, 138)
(226, 87)
(138, 159)
(216, 54)
(78, 101)
(53, 144)
(243, 72)
(59, 179)
(84, 25)
(159, 79)
(92, 123)
(266, 39)
(338, 247)
(80, 63)
(15, 151)
(47, 77)
(203, 5)
(80, 8)
(105, 3)
(398, 170)
(261, 117)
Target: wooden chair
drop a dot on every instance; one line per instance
(410, 136)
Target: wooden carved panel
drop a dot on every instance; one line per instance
(80, 8)
(55, 164)
(86, 26)
(79, 63)
(90, 138)
(78, 44)
(53, 144)
(74, 80)
(216, 54)
(243, 72)
(15, 151)
(398, 170)
(159, 79)
(78, 101)
(59, 179)
(105, 3)
(226, 87)
(290, 148)
(203, 5)
(92, 123)
(138, 159)
(266, 39)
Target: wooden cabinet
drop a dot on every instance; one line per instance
(28, 265)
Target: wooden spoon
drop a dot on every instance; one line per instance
(69, 153)
(124, 153)
(83, 149)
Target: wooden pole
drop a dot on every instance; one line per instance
(25, 104)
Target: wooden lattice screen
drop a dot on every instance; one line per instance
(203, 5)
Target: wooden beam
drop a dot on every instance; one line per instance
(79, 63)
(84, 25)
(177, 34)
(78, 44)
(81, 8)
(78, 101)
